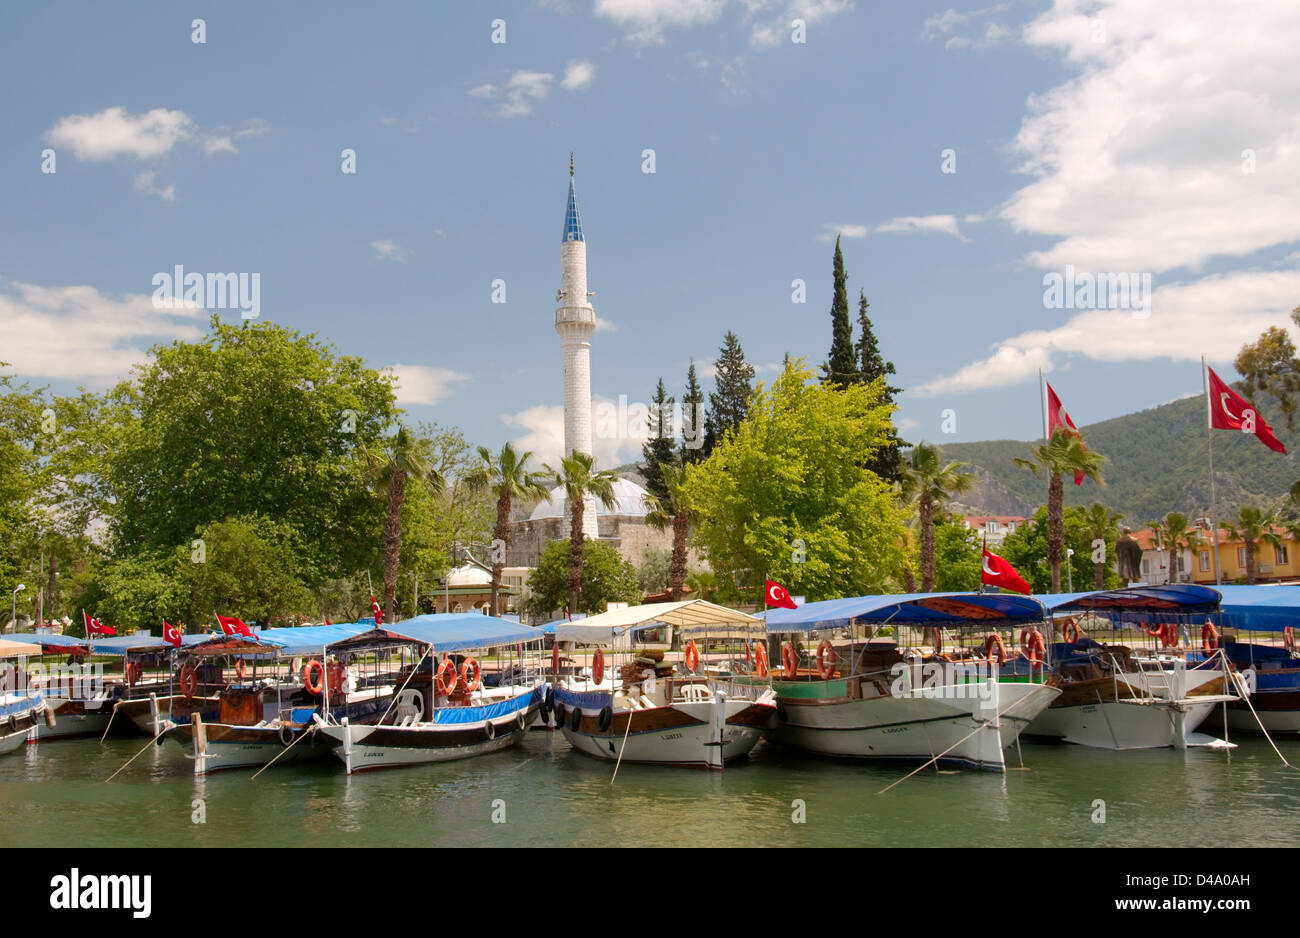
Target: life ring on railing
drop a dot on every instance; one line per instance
(470, 664)
(134, 671)
(446, 678)
(1209, 638)
(334, 674)
(1288, 638)
(313, 677)
(995, 640)
(555, 659)
(239, 668)
(826, 660)
(1069, 628)
(692, 656)
(1033, 646)
(598, 666)
(760, 660)
(789, 660)
(189, 679)
(936, 639)
(1171, 635)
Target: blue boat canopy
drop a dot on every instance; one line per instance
(1267, 608)
(444, 632)
(922, 609)
(1170, 598)
(283, 643)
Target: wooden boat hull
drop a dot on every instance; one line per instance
(139, 713)
(19, 719)
(243, 747)
(1278, 711)
(76, 718)
(965, 724)
(680, 734)
(1094, 713)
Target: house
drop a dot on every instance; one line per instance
(993, 528)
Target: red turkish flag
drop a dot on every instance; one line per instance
(232, 626)
(774, 594)
(379, 613)
(1230, 411)
(998, 572)
(95, 627)
(171, 635)
(1057, 417)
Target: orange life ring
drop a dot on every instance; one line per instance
(692, 656)
(189, 680)
(1033, 646)
(555, 659)
(598, 666)
(789, 660)
(1070, 628)
(995, 640)
(1209, 638)
(1170, 634)
(470, 664)
(134, 671)
(334, 675)
(826, 660)
(760, 659)
(1288, 638)
(239, 668)
(446, 677)
(315, 685)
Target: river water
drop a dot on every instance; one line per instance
(542, 794)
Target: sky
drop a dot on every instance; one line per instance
(982, 165)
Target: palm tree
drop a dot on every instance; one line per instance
(579, 478)
(1100, 523)
(1251, 526)
(404, 456)
(673, 509)
(931, 486)
(1063, 454)
(1177, 536)
(507, 475)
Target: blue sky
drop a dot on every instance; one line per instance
(1107, 136)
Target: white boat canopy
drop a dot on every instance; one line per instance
(10, 649)
(689, 617)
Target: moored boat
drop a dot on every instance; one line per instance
(22, 708)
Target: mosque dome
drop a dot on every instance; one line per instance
(628, 501)
(469, 574)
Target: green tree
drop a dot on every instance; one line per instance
(658, 450)
(1252, 525)
(672, 510)
(579, 478)
(841, 368)
(888, 460)
(1102, 524)
(1175, 534)
(506, 474)
(1270, 364)
(252, 567)
(1063, 454)
(957, 555)
(785, 495)
(604, 578)
(693, 420)
(1026, 549)
(729, 403)
(931, 485)
(654, 571)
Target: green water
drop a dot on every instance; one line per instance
(53, 794)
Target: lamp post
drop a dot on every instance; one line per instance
(1069, 569)
(13, 605)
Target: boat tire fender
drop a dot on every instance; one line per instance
(575, 719)
(604, 719)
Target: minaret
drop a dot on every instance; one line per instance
(575, 321)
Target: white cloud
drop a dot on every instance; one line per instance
(905, 424)
(943, 224)
(78, 334)
(144, 183)
(614, 441)
(223, 141)
(517, 97)
(578, 75)
(605, 325)
(646, 19)
(961, 30)
(421, 384)
(1213, 316)
(1137, 161)
(388, 250)
(832, 230)
(776, 28)
(113, 132)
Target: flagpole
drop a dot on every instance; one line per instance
(1042, 403)
(1209, 446)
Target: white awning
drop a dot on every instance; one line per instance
(11, 649)
(689, 617)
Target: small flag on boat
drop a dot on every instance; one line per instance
(171, 634)
(1058, 418)
(379, 613)
(95, 627)
(328, 622)
(774, 594)
(998, 572)
(232, 626)
(1230, 411)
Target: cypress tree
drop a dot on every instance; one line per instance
(841, 367)
(734, 380)
(658, 450)
(692, 449)
(888, 460)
